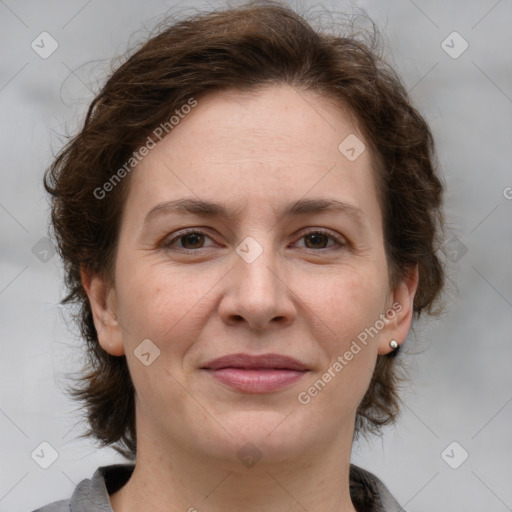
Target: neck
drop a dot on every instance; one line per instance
(180, 480)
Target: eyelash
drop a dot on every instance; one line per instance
(340, 241)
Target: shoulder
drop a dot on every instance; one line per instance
(92, 494)
(369, 494)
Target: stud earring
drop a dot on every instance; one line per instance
(393, 344)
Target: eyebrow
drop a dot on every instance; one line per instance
(213, 209)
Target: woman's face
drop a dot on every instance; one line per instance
(306, 284)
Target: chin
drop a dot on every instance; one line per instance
(273, 436)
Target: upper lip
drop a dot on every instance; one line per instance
(247, 361)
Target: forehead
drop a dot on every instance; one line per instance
(267, 122)
(262, 149)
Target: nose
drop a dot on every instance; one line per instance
(257, 292)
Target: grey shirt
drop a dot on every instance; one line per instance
(368, 493)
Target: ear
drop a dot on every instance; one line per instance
(400, 312)
(104, 311)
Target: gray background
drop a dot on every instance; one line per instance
(461, 367)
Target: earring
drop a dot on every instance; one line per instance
(393, 344)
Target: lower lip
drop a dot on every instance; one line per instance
(256, 380)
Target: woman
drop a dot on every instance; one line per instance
(249, 222)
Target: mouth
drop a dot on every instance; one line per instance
(256, 374)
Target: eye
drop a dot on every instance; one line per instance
(318, 239)
(193, 239)
(188, 240)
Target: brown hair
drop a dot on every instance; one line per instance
(242, 48)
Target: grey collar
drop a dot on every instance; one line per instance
(367, 492)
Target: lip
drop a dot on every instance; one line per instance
(264, 373)
(251, 362)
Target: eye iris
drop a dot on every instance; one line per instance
(316, 238)
(194, 237)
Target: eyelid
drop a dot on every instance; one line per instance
(340, 240)
(181, 233)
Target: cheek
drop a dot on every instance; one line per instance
(347, 302)
(347, 305)
(165, 304)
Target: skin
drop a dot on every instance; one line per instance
(197, 299)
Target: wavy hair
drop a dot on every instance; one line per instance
(255, 45)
